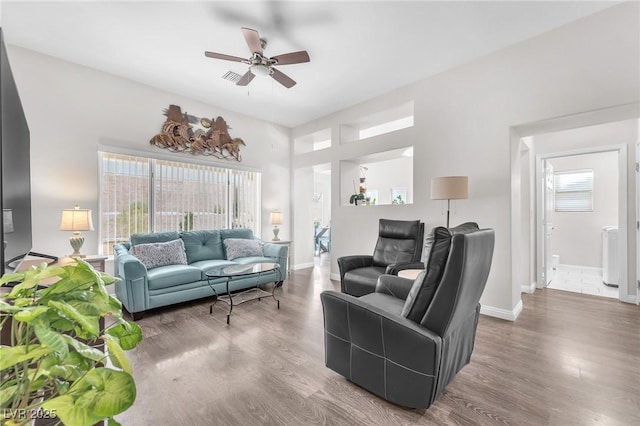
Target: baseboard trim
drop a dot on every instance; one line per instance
(590, 268)
(302, 266)
(528, 288)
(505, 314)
(629, 299)
(334, 277)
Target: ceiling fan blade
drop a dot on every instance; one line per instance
(253, 40)
(282, 78)
(292, 58)
(246, 79)
(224, 57)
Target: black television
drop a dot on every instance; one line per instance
(15, 176)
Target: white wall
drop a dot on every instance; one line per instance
(71, 109)
(577, 236)
(385, 175)
(462, 126)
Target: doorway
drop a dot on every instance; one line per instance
(321, 212)
(580, 215)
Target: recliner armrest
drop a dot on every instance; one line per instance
(393, 285)
(347, 263)
(394, 268)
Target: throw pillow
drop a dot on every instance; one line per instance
(425, 285)
(242, 247)
(153, 255)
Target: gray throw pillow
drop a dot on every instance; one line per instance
(242, 247)
(153, 255)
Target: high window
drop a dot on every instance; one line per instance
(574, 191)
(140, 194)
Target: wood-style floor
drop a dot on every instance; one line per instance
(569, 359)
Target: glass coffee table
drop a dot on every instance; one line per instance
(231, 272)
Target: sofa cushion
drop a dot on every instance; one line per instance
(426, 284)
(241, 247)
(207, 265)
(173, 275)
(361, 281)
(153, 255)
(154, 237)
(236, 233)
(254, 259)
(202, 245)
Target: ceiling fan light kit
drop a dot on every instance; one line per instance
(260, 64)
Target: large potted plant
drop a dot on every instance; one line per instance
(53, 361)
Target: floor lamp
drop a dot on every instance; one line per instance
(450, 188)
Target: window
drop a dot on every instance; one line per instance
(184, 196)
(388, 127)
(574, 191)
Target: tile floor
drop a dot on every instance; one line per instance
(583, 280)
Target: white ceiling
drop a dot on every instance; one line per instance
(358, 50)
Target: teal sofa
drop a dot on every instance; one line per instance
(140, 289)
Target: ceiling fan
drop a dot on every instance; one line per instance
(260, 64)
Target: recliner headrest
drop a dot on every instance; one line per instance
(399, 229)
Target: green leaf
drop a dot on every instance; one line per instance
(12, 355)
(117, 355)
(69, 413)
(83, 349)
(105, 392)
(6, 394)
(61, 324)
(63, 288)
(87, 323)
(9, 278)
(86, 308)
(35, 276)
(8, 308)
(112, 422)
(129, 334)
(50, 338)
(31, 313)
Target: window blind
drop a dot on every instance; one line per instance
(574, 191)
(174, 196)
(189, 196)
(124, 198)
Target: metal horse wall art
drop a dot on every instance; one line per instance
(178, 135)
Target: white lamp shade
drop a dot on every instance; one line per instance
(7, 221)
(276, 218)
(450, 188)
(76, 220)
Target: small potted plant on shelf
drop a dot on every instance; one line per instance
(357, 199)
(52, 358)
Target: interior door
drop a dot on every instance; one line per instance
(548, 198)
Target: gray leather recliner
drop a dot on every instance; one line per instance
(409, 356)
(399, 243)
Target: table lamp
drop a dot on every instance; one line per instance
(450, 188)
(76, 220)
(276, 219)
